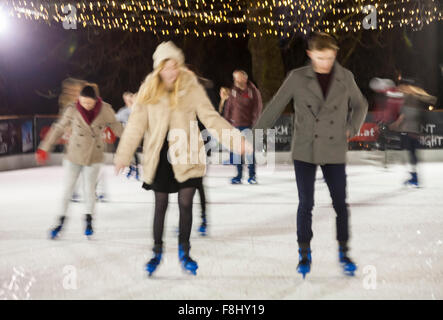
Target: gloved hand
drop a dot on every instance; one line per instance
(109, 136)
(41, 156)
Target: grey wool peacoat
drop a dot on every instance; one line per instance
(320, 124)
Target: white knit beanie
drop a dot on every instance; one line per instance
(167, 50)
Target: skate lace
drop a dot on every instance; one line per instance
(155, 260)
(304, 261)
(187, 259)
(346, 260)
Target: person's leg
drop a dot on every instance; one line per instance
(100, 189)
(305, 178)
(90, 180)
(70, 177)
(238, 160)
(250, 157)
(185, 197)
(335, 177)
(137, 162)
(185, 200)
(204, 221)
(161, 204)
(410, 144)
(201, 192)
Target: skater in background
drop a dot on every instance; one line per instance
(329, 109)
(71, 88)
(242, 109)
(208, 85)
(123, 116)
(409, 121)
(88, 118)
(224, 96)
(168, 103)
(387, 103)
(70, 92)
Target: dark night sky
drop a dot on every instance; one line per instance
(37, 57)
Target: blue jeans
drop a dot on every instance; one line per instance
(335, 177)
(239, 161)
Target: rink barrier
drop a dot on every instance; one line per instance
(20, 136)
(24, 161)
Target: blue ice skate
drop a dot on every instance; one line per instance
(348, 265)
(88, 230)
(152, 265)
(236, 180)
(252, 180)
(305, 260)
(203, 228)
(189, 266)
(55, 232)
(413, 181)
(131, 168)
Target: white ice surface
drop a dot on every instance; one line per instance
(250, 253)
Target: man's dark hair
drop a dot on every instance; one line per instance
(321, 41)
(89, 92)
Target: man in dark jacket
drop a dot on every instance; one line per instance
(242, 110)
(329, 109)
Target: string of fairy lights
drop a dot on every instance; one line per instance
(230, 18)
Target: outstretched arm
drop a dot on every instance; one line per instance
(277, 104)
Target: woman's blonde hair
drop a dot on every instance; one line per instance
(153, 88)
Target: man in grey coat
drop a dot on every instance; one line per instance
(329, 109)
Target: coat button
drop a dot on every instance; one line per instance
(335, 108)
(332, 122)
(309, 107)
(330, 138)
(316, 120)
(316, 136)
(98, 147)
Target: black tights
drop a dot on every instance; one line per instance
(185, 198)
(201, 192)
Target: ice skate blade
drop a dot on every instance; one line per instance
(189, 272)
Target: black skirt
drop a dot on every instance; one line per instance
(164, 180)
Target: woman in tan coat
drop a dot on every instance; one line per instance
(165, 114)
(88, 118)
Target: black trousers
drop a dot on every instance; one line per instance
(410, 143)
(335, 177)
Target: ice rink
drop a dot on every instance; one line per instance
(251, 249)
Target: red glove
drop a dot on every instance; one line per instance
(41, 156)
(109, 136)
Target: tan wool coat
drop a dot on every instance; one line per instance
(85, 145)
(154, 122)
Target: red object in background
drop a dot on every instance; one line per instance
(109, 136)
(388, 110)
(41, 156)
(369, 132)
(44, 131)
